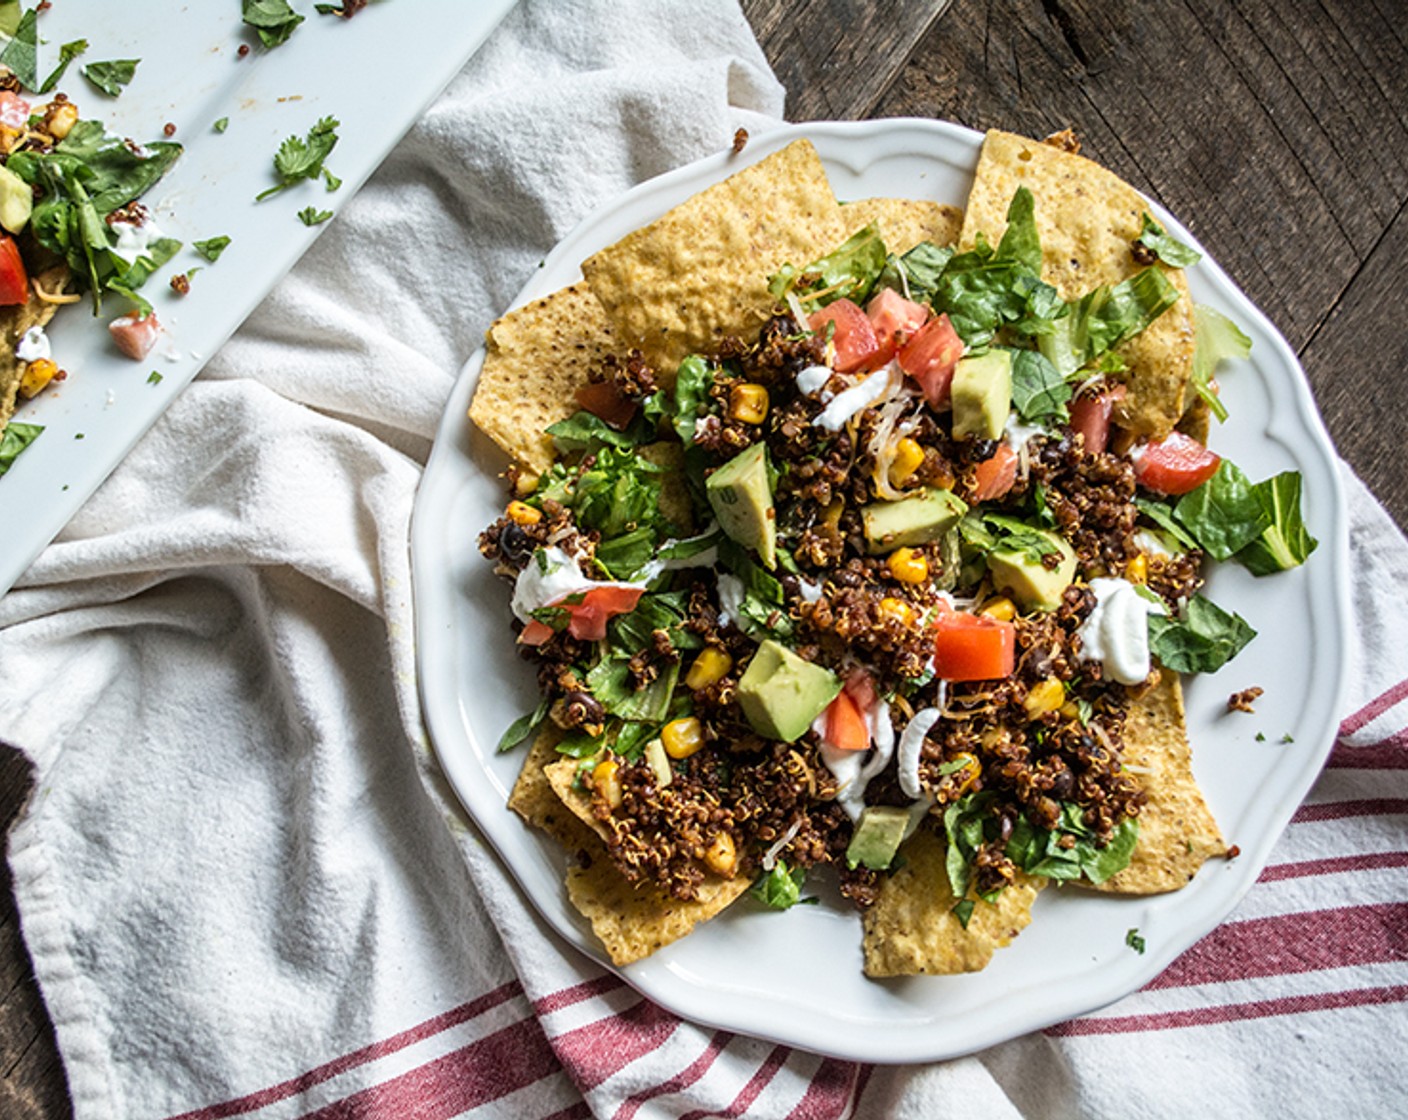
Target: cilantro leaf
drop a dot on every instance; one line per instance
(16, 437)
(312, 216)
(112, 76)
(67, 53)
(915, 275)
(781, 888)
(301, 158)
(273, 19)
(1135, 941)
(1168, 249)
(222, 124)
(211, 247)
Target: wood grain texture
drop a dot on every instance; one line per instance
(1277, 131)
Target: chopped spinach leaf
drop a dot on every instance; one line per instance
(111, 77)
(274, 20)
(1039, 392)
(16, 437)
(963, 911)
(1162, 516)
(211, 247)
(915, 275)
(1285, 543)
(781, 888)
(21, 53)
(1202, 641)
(523, 727)
(67, 53)
(1226, 513)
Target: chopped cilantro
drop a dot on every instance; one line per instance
(332, 180)
(1134, 941)
(312, 216)
(781, 888)
(112, 76)
(222, 124)
(211, 247)
(273, 19)
(77, 435)
(154, 378)
(299, 159)
(1286, 739)
(1261, 736)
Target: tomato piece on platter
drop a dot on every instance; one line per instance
(1175, 464)
(994, 476)
(929, 358)
(535, 633)
(607, 403)
(845, 724)
(854, 338)
(896, 320)
(14, 111)
(589, 616)
(14, 281)
(133, 336)
(971, 647)
(1090, 417)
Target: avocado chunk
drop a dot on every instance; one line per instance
(911, 521)
(781, 694)
(982, 395)
(877, 837)
(16, 201)
(741, 496)
(1020, 572)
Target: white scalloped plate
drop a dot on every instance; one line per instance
(796, 977)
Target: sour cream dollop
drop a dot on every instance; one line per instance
(857, 398)
(134, 240)
(550, 577)
(852, 769)
(1117, 632)
(33, 346)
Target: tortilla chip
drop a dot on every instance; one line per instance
(905, 222)
(1087, 218)
(536, 800)
(682, 283)
(633, 922)
(1177, 832)
(1197, 421)
(562, 777)
(538, 357)
(14, 322)
(912, 930)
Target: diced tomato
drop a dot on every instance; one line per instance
(845, 724)
(535, 633)
(862, 689)
(135, 337)
(14, 110)
(856, 345)
(1090, 417)
(995, 476)
(929, 358)
(605, 401)
(589, 617)
(895, 319)
(1175, 465)
(14, 281)
(971, 647)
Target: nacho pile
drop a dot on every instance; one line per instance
(848, 538)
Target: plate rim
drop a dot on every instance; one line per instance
(655, 979)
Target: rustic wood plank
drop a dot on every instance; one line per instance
(837, 56)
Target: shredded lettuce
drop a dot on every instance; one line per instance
(847, 272)
(1168, 249)
(1218, 339)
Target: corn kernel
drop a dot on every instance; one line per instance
(60, 118)
(908, 565)
(721, 855)
(970, 773)
(908, 457)
(521, 513)
(37, 374)
(1002, 609)
(831, 516)
(896, 609)
(655, 757)
(525, 483)
(607, 782)
(1069, 710)
(682, 737)
(709, 668)
(1044, 696)
(748, 403)
(1137, 569)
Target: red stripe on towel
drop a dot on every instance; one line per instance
(829, 1094)
(588, 989)
(1334, 865)
(1375, 707)
(316, 1076)
(1340, 810)
(750, 1092)
(1390, 753)
(1309, 941)
(682, 1080)
(600, 1050)
(475, 1075)
(1231, 1012)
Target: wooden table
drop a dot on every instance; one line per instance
(1278, 132)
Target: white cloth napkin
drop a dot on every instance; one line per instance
(247, 890)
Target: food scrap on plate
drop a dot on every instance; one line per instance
(867, 540)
